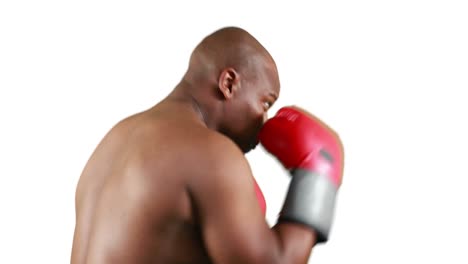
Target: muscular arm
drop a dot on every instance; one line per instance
(233, 225)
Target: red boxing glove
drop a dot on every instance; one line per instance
(260, 197)
(314, 154)
(300, 140)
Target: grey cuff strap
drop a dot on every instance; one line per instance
(310, 201)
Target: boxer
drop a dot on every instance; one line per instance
(171, 184)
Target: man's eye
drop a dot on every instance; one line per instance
(267, 105)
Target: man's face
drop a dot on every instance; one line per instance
(248, 110)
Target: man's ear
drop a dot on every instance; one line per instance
(229, 82)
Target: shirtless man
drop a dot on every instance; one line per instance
(172, 185)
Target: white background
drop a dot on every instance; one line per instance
(389, 76)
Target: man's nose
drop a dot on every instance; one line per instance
(265, 117)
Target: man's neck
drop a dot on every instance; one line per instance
(181, 94)
(196, 106)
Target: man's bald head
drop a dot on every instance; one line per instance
(230, 47)
(234, 81)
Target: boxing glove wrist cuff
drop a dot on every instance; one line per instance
(310, 201)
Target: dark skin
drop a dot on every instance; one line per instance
(172, 185)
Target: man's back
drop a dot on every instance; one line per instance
(132, 203)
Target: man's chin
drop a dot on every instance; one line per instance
(248, 148)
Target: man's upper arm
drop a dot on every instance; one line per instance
(233, 225)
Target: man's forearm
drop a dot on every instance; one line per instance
(295, 242)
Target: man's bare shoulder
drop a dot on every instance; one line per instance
(222, 148)
(218, 158)
(189, 146)
(202, 143)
